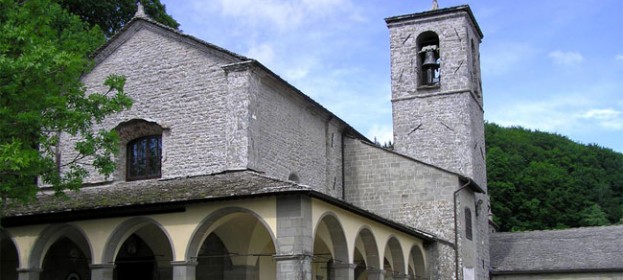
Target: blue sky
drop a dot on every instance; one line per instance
(554, 65)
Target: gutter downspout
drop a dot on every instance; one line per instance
(456, 230)
(343, 168)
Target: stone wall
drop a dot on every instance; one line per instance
(406, 191)
(177, 85)
(292, 137)
(217, 111)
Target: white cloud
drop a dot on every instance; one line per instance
(263, 53)
(566, 58)
(608, 118)
(284, 15)
(619, 57)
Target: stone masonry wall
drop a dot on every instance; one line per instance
(180, 87)
(292, 137)
(406, 191)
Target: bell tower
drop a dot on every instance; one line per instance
(436, 90)
(438, 118)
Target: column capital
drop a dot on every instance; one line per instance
(291, 257)
(102, 266)
(103, 271)
(29, 269)
(184, 263)
(344, 265)
(28, 273)
(376, 274)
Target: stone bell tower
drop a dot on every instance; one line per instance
(436, 90)
(438, 119)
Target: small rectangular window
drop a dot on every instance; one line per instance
(468, 223)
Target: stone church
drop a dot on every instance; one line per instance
(227, 171)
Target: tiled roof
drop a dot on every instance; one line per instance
(147, 192)
(588, 249)
(126, 198)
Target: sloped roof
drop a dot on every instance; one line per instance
(473, 185)
(591, 249)
(138, 22)
(167, 195)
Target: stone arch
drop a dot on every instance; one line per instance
(233, 243)
(9, 256)
(417, 263)
(337, 235)
(207, 224)
(428, 58)
(395, 257)
(131, 226)
(330, 248)
(366, 246)
(131, 130)
(53, 233)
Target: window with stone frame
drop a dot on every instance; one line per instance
(143, 158)
(143, 151)
(468, 223)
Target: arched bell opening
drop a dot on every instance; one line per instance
(429, 59)
(9, 259)
(65, 260)
(236, 246)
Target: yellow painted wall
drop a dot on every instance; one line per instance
(352, 225)
(179, 227)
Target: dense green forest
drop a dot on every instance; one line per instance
(540, 180)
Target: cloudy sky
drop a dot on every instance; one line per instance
(554, 65)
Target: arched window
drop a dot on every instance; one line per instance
(428, 59)
(468, 223)
(143, 158)
(142, 142)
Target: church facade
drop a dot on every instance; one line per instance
(226, 171)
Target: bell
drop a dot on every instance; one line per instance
(430, 58)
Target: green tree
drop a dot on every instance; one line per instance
(540, 180)
(43, 53)
(111, 16)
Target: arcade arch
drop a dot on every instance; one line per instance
(9, 258)
(140, 249)
(233, 243)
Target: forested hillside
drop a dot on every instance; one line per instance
(540, 180)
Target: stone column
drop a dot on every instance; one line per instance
(343, 271)
(28, 273)
(294, 267)
(183, 270)
(102, 271)
(376, 274)
(294, 238)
